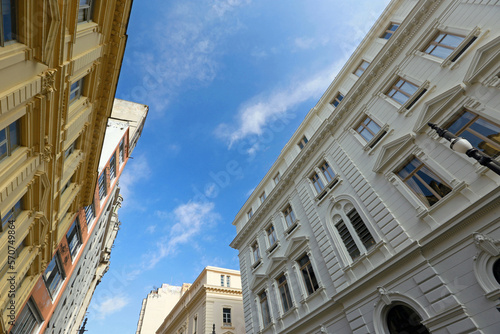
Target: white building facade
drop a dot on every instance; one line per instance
(368, 222)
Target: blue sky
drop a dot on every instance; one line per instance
(227, 82)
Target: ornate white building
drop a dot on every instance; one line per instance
(368, 222)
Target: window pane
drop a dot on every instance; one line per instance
(14, 135)
(451, 40)
(373, 126)
(410, 167)
(440, 51)
(9, 20)
(489, 130)
(433, 181)
(366, 135)
(409, 88)
(399, 97)
(459, 123)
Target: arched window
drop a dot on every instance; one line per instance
(403, 320)
(496, 270)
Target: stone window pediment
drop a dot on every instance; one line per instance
(485, 55)
(295, 244)
(391, 150)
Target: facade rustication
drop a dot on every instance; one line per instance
(368, 222)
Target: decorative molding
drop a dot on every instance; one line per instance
(391, 150)
(48, 81)
(486, 244)
(485, 56)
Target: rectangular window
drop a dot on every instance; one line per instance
(69, 150)
(308, 274)
(318, 184)
(226, 317)
(85, 11)
(264, 307)
(443, 44)
(9, 139)
(195, 324)
(256, 252)
(250, 213)
(12, 214)
(74, 238)
(228, 281)
(277, 178)
(361, 230)
(401, 91)
(390, 30)
(262, 197)
(222, 280)
(286, 299)
(347, 239)
(361, 68)
(112, 167)
(76, 90)
(327, 172)
(271, 235)
(28, 320)
(368, 129)
(302, 142)
(53, 276)
(8, 22)
(66, 186)
(89, 213)
(289, 216)
(428, 187)
(103, 190)
(336, 101)
(122, 151)
(481, 133)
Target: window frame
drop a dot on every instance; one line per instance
(228, 281)
(312, 288)
(361, 68)
(59, 273)
(271, 234)
(92, 210)
(317, 182)
(286, 300)
(290, 223)
(262, 197)
(250, 213)
(87, 12)
(337, 99)
(102, 185)
(303, 142)
(112, 166)
(12, 214)
(264, 312)
(388, 33)
(77, 90)
(256, 256)
(438, 44)
(74, 233)
(226, 316)
(121, 151)
(69, 151)
(411, 99)
(30, 315)
(14, 25)
(277, 178)
(11, 146)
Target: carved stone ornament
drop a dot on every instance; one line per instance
(323, 330)
(487, 244)
(48, 81)
(47, 153)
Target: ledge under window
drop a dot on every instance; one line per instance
(312, 295)
(289, 231)
(257, 264)
(272, 248)
(333, 183)
(288, 312)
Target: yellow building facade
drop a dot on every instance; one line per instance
(59, 67)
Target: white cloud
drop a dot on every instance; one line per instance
(254, 115)
(189, 220)
(151, 229)
(111, 305)
(136, 170)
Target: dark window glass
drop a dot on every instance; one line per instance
(286, 299)
(52, 276)
(264, 307)
(308, 274)
(347, 239)
(361, 230)
(8, 21)
(496, 270)
(73, 237)
(226, 316)
(403, 320)
(390, 31)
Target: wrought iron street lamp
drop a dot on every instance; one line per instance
(462, 145)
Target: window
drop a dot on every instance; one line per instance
(102, 185)
(369, 129)
(482, 134)
(28, 321)
(262, 197)
(423, 182)
(327, 172)
(302, 142)
(308, 274)
(74, 238)
(66, 186)
(76, 90)
(226, 317)
(336, 101)
(402, 319)
(89, 213)
(69, 150)
(222, 280)
(365, 240)
(250, 213)
(361, 68)
(318, 184)
(112, 166)
(496, 270)
(277, 178)
(122, 151)
(9, 139)
(228, 281)
(271, 235)
(289, 216)
(195, 324)
(8, 24)
(443, 44)
(286, 299)
(12, 214)
(264, 308)
(256, 252)
(390, 30)
(401, 91)
(53, 276)
(85, 11)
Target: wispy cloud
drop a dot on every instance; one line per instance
(137, 170)
(111, 305)
(189, 220)
(254, 115)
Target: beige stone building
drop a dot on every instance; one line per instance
(368, 222)
(214, 299)
(59, 67)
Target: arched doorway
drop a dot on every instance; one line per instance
(401, 319)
